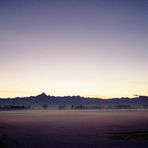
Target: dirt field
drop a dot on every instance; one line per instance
(73, 129)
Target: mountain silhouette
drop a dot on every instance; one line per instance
(42, 95)
(75, 101)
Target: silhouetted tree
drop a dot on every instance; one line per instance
(72, 106)
(45, 106)
(61, 107)
(145, 106)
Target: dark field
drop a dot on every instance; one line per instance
(73, 129)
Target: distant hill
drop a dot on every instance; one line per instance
(74, 102)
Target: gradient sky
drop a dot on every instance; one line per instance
(91, 48)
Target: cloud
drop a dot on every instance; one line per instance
(136, 95)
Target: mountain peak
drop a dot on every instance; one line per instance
(42, 95)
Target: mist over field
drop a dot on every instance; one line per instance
(73, 128)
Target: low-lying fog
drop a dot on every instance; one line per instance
(70, 128)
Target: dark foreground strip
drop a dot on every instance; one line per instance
(137, 135)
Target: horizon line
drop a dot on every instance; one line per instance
(134, 96)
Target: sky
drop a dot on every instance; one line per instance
(91, 48)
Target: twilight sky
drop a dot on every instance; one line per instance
(96, 48)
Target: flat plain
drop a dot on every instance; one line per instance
(74, 129)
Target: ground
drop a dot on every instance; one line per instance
(73, 129)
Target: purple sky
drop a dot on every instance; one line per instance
(74, 47)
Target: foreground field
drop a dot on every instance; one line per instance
(73, 129)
